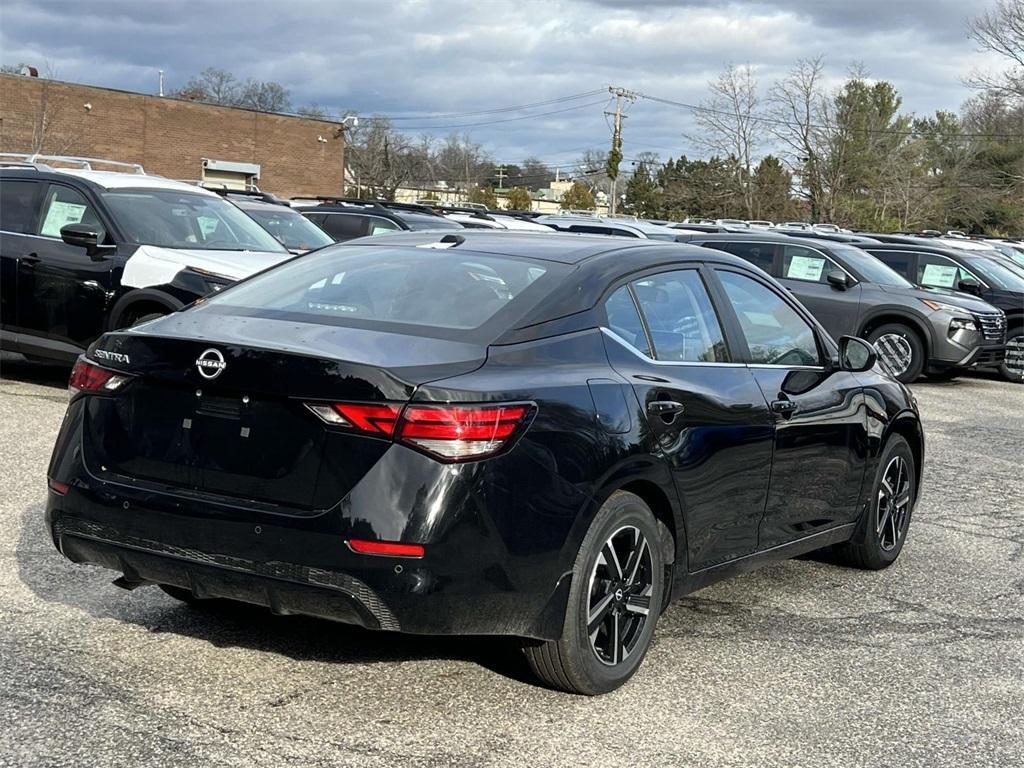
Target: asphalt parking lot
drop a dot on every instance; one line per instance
(802, 663)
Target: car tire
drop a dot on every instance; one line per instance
(621, 600)
(1012, 369)
(901, 348)
(882, 531)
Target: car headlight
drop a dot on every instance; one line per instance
(962, 324)
(940, 306)
(214, 282)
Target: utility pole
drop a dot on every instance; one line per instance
(615, 155)
(500, 175)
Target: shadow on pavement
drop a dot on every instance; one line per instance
(225, 624)
(17, 368)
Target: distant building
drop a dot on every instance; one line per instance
(180, 139)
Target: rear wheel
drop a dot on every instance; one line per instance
(883, 530)
(901, 349)
(617, 592)
(1012, 368)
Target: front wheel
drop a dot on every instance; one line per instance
(1012, 368)
(883, 530)
(901, 349)
(617, 591)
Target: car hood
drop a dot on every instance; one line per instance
(151, 265)
(946, 296)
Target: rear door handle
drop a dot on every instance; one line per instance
(784, 408)
(666, 409)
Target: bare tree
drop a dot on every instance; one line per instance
(1001, 31)
(730, 126)
(380, 159)
(802, 120)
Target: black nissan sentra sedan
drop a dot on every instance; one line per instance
(539, 435)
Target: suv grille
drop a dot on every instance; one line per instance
(993, 326)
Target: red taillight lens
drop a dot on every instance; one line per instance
(375, 419)
(448, 432)
(461, 433)
(386, 548)
(58, 487)
(87, 377)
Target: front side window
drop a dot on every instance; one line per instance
(806, 264)
(680, 318)
(938, 271)
(63, 206)
(172, 219)
(18, 207)
(624, 319)
(293, 229)
(775, 332)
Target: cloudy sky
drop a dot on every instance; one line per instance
(417, 59)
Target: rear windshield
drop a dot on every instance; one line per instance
(445, 293)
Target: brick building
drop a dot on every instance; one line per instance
(286, 155)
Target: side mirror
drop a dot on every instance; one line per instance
(856, 355)
(969, 285)
(84, 236)
(838, 279)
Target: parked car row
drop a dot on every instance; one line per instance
(88, 250)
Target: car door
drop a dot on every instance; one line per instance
(19, 210)
(63, 292)
(818, 411)
(804, 271)
(704, 411)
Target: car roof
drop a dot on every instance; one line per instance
(760, 236)
(117, 180)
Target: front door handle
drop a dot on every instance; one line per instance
(784, 408)
(666, 409)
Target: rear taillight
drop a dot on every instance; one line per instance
(448, 432)
(461, 433)
(385, 548)
(88, 377)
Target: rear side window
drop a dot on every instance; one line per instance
(624, 319)
(345, 226)
(63, 206)
(775, 332)
(680, 318)
(443, 293)
(759, 254)
(899, 261)
(18, 207)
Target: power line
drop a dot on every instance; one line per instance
(496, 110)
(791, 124)
(504, 120)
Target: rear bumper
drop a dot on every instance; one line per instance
(471, 581)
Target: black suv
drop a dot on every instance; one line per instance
(934, 266)
(293, 230)
(915, 330)
(83, 251)
(345, 218)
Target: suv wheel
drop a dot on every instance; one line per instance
(883, 530)
(1012, 369)
(901, 349)
(617, 592)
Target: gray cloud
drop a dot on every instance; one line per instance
(412, 57)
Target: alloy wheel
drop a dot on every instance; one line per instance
(619, 602)
(1014, 362)
(895, 352)
(893, 504)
